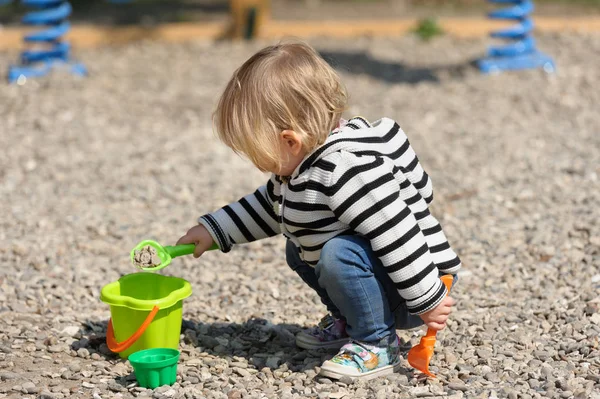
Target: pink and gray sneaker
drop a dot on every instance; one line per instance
(330, 333)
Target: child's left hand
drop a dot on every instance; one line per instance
(437, 317)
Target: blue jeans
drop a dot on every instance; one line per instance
(354, 285)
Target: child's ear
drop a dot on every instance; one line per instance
(292, 141)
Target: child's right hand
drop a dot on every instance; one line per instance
(437, 317)
(200, 236)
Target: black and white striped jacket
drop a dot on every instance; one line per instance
(367, 180)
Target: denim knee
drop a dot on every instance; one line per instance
(338, 254)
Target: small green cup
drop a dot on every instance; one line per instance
(155, 367)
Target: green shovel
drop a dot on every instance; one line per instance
(166, 253)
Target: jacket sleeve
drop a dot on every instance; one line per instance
(249, 219)
(364, 193)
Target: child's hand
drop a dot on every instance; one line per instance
(197, 235)
(437, 317)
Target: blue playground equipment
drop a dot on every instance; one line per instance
(55, 53)
(521, 52)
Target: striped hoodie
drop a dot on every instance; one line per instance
(366, 180)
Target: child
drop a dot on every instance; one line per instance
(350, 197)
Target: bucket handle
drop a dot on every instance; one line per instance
(115, 346)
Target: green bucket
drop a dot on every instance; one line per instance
(146, 312)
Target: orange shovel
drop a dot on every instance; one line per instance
(420, 355)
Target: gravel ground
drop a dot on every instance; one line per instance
(90, 167)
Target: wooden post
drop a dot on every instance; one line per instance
(248, 17)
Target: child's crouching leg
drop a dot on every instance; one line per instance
(346, 272)
(330, 333)
(308, 275)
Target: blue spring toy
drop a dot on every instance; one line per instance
(56, 53)
(521, 51)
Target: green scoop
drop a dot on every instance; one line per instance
(165, 254)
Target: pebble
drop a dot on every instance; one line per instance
(346, 380)
(234, 394)
(458, 386)
(70, 331)
(29, 387)
(484, 353)
(83, 352)
(7, 375)
(56, 348)
(273, 362)
(421, 392)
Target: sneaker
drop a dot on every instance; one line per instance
(330, 333)
(359, 360)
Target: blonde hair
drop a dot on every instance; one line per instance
(287, 86)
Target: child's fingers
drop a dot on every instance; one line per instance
(201, 247)
(445, 310)
(186, 239)
(198, 251)
(436, 326)
(440, 318)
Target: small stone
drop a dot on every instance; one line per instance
(234, 394)
(273, 362)
(484, 353)
(361, 392)
(48, 395)
(113, 386)
(191, 379)
(542, 355)
(88, 385)
(70, 331)
(421, 392)
(450, 357)
(29, 387)
(75, 367)
(190, 337)
(346, 380)
(8, 375)
(120, 369)
(492, 377)
(242, 372)
(162, 389)
(458, 386)
(207, 341)
(323, 380)
(103, 348)
(83, 353)
(56, 348)
(533, 383)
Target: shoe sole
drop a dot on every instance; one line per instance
(309, 343)
(337, 371)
